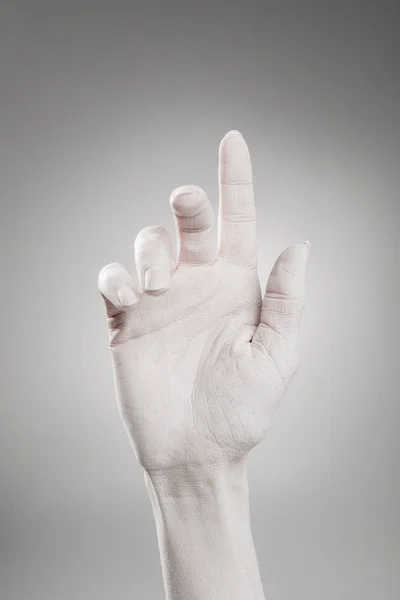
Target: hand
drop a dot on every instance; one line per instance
(200, 358)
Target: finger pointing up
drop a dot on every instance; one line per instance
(237, 214)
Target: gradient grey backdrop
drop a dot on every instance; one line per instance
(105, 108)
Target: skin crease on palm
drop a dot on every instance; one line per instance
(201, 358)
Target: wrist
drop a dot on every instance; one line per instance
(203, 526)
(212, 481)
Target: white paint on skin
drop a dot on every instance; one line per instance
(201, 360)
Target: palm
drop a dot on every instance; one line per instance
(196, 376)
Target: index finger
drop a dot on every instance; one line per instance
(237, 211)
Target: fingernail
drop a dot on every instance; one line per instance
(156, 279)
(126, 296)
(306, 243)
(187, 200)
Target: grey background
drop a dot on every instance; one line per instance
(105, 108)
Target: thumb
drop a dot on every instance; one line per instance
(282, 307)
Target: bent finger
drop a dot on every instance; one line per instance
(194, 219)
(116, 286)
(154, 259)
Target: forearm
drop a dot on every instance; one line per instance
(203, 528)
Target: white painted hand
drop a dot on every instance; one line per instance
(200, 358)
